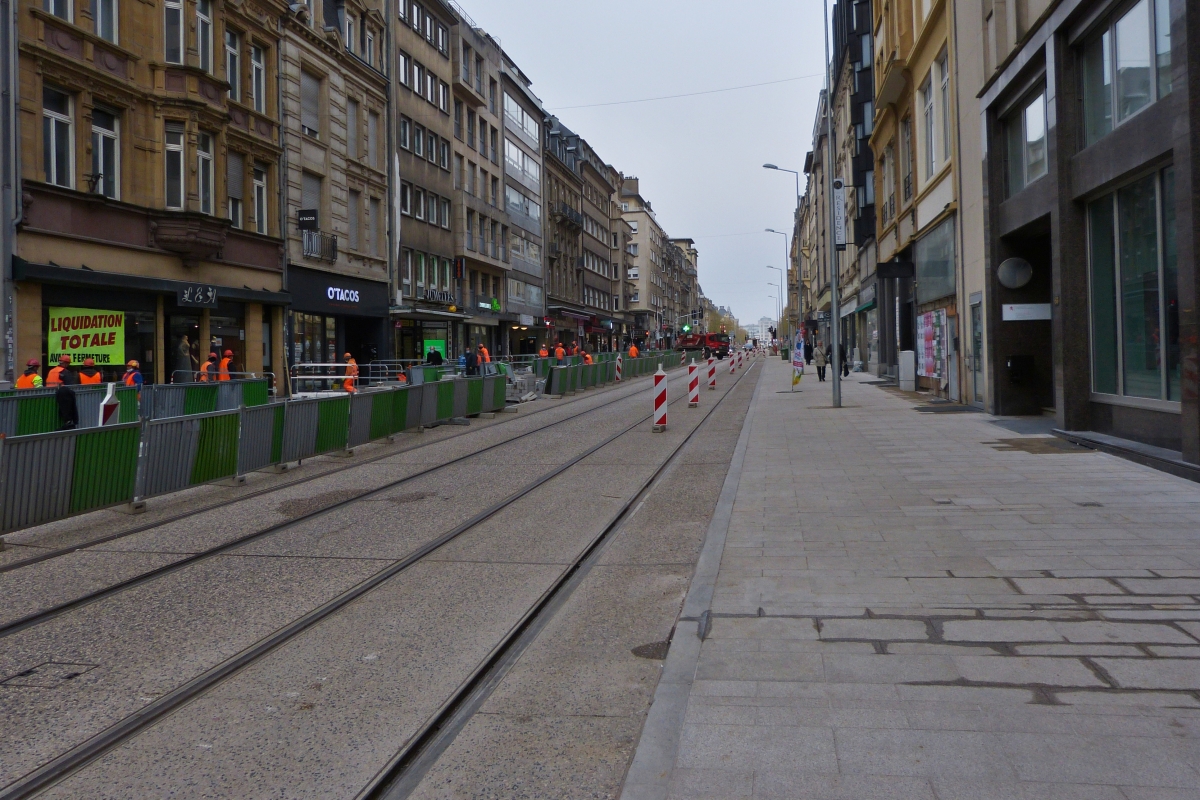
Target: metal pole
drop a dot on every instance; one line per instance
(834, 299)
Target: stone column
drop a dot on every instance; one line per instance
(254, 338)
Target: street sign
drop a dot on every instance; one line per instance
(839, 214)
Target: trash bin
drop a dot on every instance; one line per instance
(784, 353)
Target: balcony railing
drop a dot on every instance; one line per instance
(908, 186)
(321, 245)
(568, 215)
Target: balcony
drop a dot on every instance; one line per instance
(567, 215)
(891, 80)
(320, 245)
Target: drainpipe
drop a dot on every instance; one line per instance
(10, 205)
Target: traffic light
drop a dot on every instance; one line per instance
(687, 328)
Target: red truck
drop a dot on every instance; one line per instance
(708, 344)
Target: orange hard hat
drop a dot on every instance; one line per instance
(228, 352)
(89, 362)
(212, 356)
(132, 363)
(64, 359)
(33, 362)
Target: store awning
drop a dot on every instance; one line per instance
(582, 316)
(867, 306)
(431, 314)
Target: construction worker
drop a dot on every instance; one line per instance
(89, 374)
(133, 377)
(587, 357)
(350, 382)
(223, 367)
(208, 370)
(62, 374)
(633, 351)
(31, 378)
(575, 349)
(560, 353)
(484, 356)
(543, 352)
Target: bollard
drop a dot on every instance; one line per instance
(618, 367)
(660, 400)
(110, 407)
(693, 385)
(712, 373)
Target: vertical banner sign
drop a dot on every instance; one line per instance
(86, 333)
(797, 359)
(931, 327)
(839, 214)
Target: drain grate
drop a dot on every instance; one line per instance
(47, 675)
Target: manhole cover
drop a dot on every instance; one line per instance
(47, 675)
(655, 650)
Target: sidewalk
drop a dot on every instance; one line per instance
(907, 607)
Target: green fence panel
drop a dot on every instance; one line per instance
(255, 393)
(105, 470)
(475, 395)
(200, 399)
(382, 408)
(333, 424)
(37, 415)
(216, 449)
(400, 409)
(500, 394)
(277, 436)
(445, 400)
(127, 408)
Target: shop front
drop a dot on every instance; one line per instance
(168, 327)
(333, 314)
(430, 322)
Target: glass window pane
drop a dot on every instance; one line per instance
(1104, 296)
(934, 258)
(1141, 335)
(1133, 60)
(1097, 87)
(1162, 45)
(62, 153)
(1170, 283)
(1035, 139)
(1015, 153)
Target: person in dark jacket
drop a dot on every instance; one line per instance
(434, 358)
(808, 352)
(68, 411)
(842, 362)
(471, 365)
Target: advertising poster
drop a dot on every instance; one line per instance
(931, 331)
(86, 333)
(797, 360)
(433, 344)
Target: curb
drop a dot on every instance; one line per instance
(649, 775)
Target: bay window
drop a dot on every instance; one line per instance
(174, 165)
(204, 171)
(1126, 67)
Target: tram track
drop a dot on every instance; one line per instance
(84, 753)
(44, 615)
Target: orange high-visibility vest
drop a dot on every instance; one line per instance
(28, 380)
(223, 369)
(633, 351)
(54, 377)
(559, 353)
(130, 378)
(587, 357)
(84, 378)
(487, 357)
(544, 353)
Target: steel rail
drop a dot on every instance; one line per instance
(66, 764)
(65, 551)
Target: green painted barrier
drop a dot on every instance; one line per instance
(400, 399)
(382, 409)
(37, 415)
(500, 395)
(445, 400)
(200, 399)
(333, 424)
(255, 393)
(277, 435)
(127, 408)
(105, 469)
(475, 396)
(216, 449)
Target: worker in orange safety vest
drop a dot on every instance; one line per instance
(30, 378)
(633, 351)
(89, 374)
(350, 382)
(223, 367)
(61, 374)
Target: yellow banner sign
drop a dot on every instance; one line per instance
(86, 333)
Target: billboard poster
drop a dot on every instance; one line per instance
(931, 334)
(86, 333)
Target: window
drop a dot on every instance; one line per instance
(405, 125)
(204, 171)
(414, 17)
(406, 199)
(1135, 290)
(479, 74)
(348, 35)
(419, 203)
(928, 129)
(443, 40)
(172, 31)
(521, 163)
(418, 77)
(444, 155)
(1126, 67)
(311, 192)
(57, 147)
(418, 141)
(352, 128)
(431, 148)
(406, 268)
(59, 8)
(105, 177)
(403, 68)
(944, 106)
(458, 117)
(520, 118)
(235, 180)
(260, 199)
(431, 83)
(233, 73)
(420, 269)
(933, 257)
(369, 49)
(906, 160)
(495, 148)
(106, 20)
(495, 197)
(174, 164)
(458, 171)
(446, 213)
(354, 208)
(466, 64)
(443, 97)
(471, 172)
(204, 33)
(470, 231)
(1026, 134)
(373, 139)
(518, 203)
(310, 104)
(471, 129)
(258, 78)
(432, 216)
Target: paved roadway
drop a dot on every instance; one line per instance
(917, 605)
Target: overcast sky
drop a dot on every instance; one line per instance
(699, 158)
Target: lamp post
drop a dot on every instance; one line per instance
(785, 293)
(786, 252)
(777, 288)
(835, 321)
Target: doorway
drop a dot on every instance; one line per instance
(977, 354)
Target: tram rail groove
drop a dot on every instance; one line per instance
(65, 551)
(47, 614)
(78, 757)
(404, 773)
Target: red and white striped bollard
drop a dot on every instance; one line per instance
(732, 363)
(712, 373)
(618, 368)
(693, 385)
(660, 400)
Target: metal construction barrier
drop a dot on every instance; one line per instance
(475, 395)
(299, 430)
(424, 373)
(429, 404)
(188, 451)
(261, 442)
(49, 476)
(362, 406)
(32, 411)
(461, 389)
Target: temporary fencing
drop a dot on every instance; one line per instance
(48, 476)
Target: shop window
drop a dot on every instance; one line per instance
(1025, 132)
(1126, 66)
(204, 171)
(106, 20)
(235, 185)
(260, 198)
(258, 78)
(106, 154)
(1135, 290)
(174, 164)
(57, 149)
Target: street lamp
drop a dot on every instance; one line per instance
(778, 300)
(794, 172)
(782, 292)
(783, 278)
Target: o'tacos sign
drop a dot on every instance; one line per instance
(342, 295)
(86, 333)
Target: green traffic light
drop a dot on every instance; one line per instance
(687, 328)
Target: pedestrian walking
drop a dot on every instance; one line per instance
(842, 363)
(31, 378)
(208, 370)
(350, 380)
(223, 367)
(62, 374)
(820, 359)
(471, 364)
(89, 375)
(808, 352)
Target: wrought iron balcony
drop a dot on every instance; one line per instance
(321, 245)
(564, 213)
